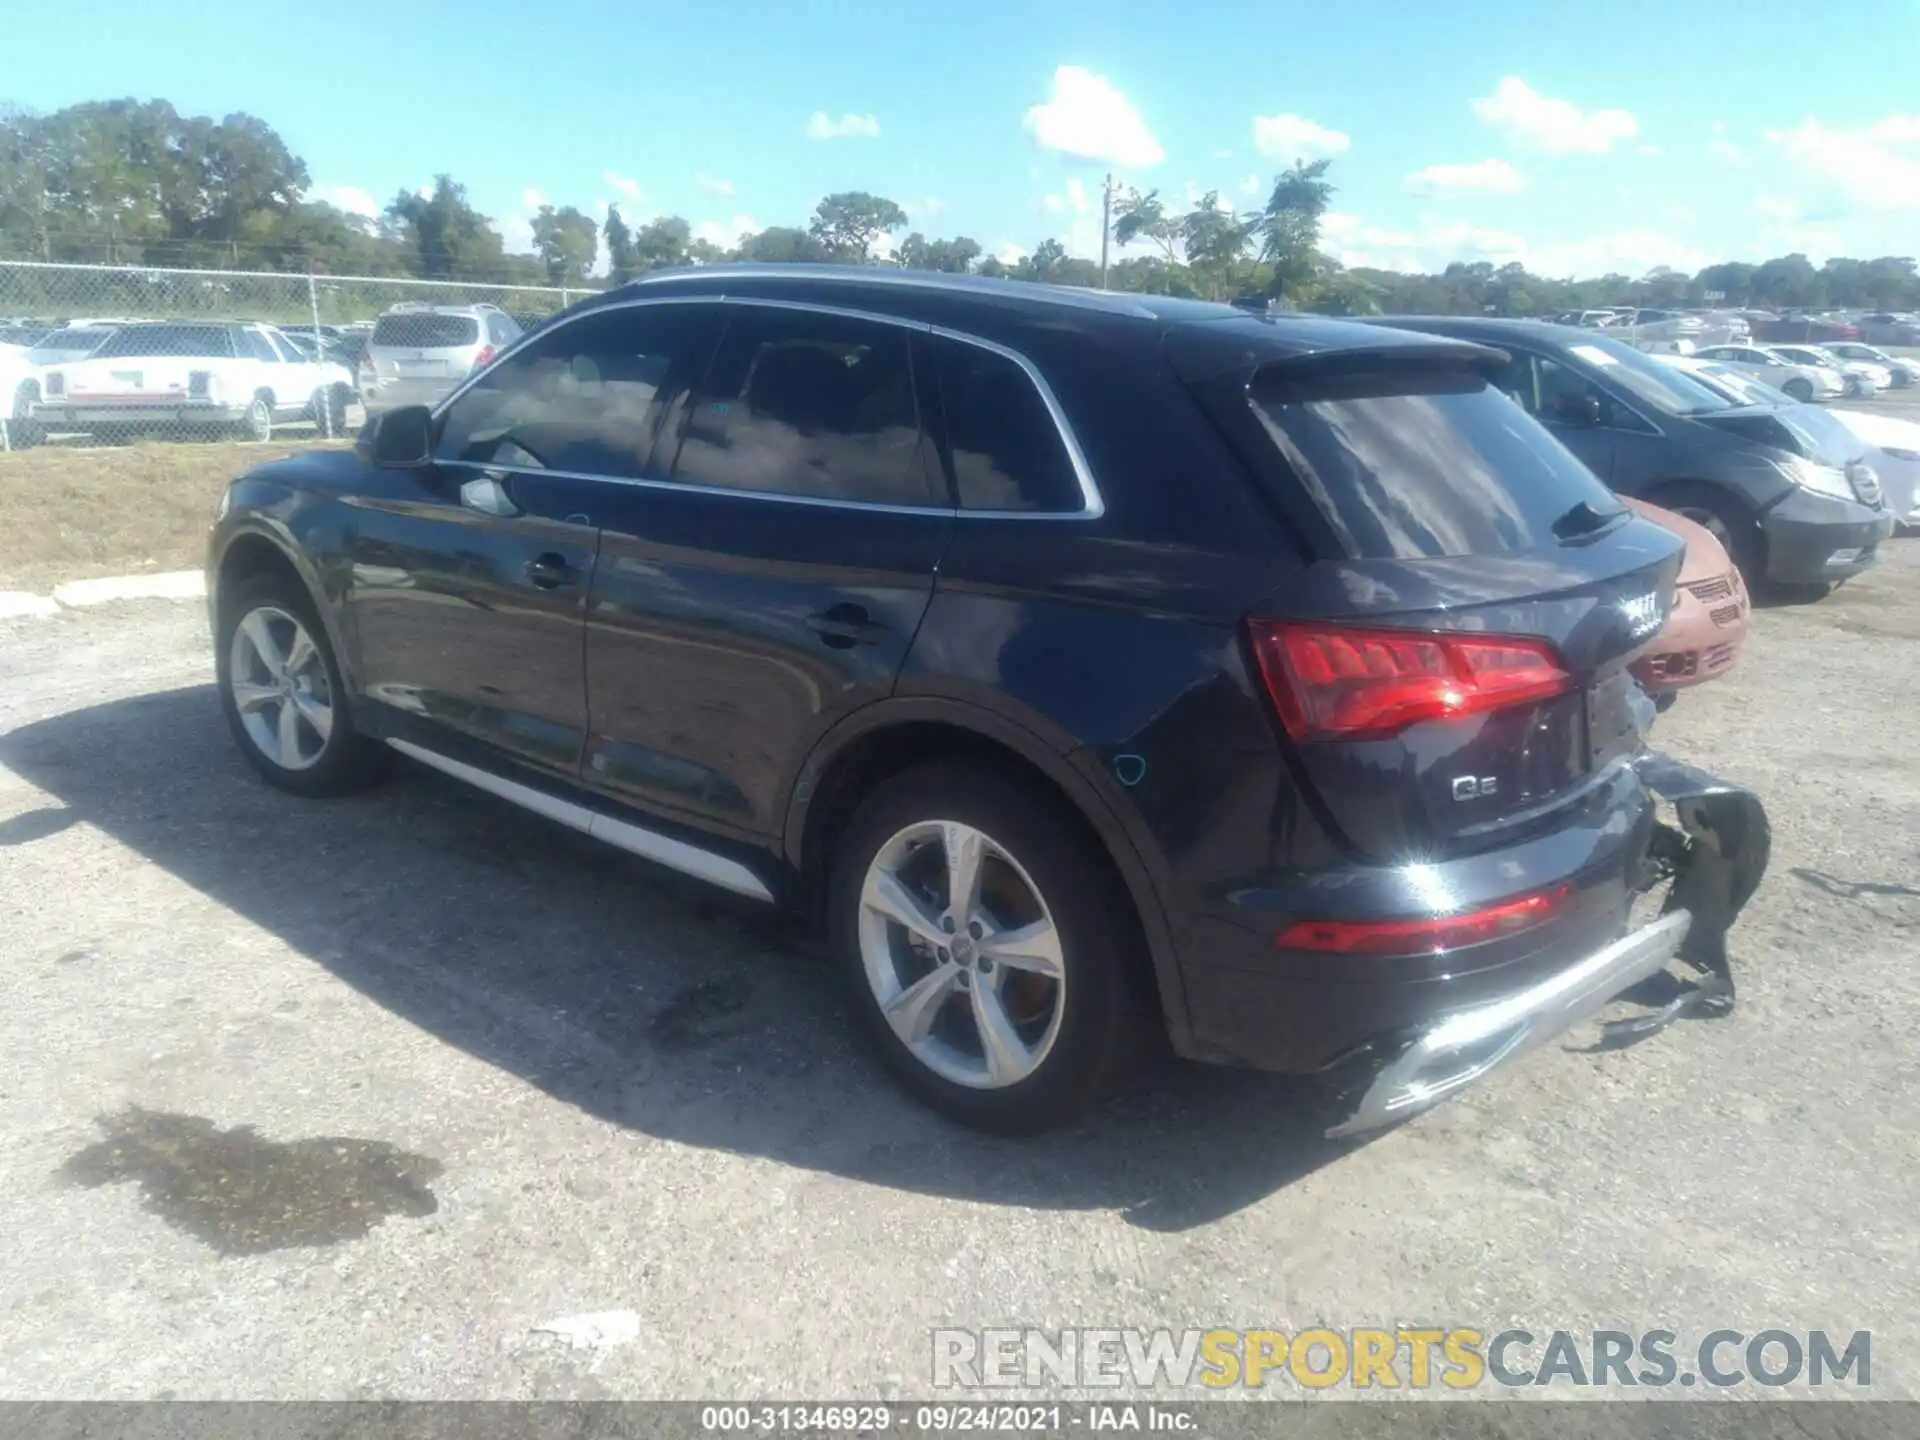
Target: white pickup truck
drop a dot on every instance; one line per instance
(194, 374)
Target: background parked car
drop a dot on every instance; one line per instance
(1862, 380)
(1886, 328)
(1708, 625)
(1804, 329)
(1805, 383)
(1891, 445)
(1789, 504)
(417, 354)
(196, 375)
(1901, 371)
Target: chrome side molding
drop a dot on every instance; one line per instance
(621, 834)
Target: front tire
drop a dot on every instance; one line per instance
(282, 693)
(988, 948)
(1729, 523)
(1800, 389)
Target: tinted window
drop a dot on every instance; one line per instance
(1406, 464)
(500, 330)
(582, 396)
(75, 340)
(1642, 377)
(423, 330)
(798, 403)
(192, 341)
(1006, 450)
(257, 344)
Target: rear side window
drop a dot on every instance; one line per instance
(189, 341)
(802, 403)
(414, 330)
(1006, 451)
(1424, 462)
(583, 397)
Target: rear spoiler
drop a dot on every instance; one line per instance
(1207, 356)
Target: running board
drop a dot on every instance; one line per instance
(647, 844)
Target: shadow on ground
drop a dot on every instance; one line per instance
(629, 992)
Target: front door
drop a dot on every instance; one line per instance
(469, 586)
(775, 582)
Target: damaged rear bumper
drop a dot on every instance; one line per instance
(1714, 856)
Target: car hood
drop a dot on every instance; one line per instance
(1705, 557)
(1882, 430)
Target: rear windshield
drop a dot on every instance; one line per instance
(75, 340)
(426, 332)
(1417, 463)
(195, 341)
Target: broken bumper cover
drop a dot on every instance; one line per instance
(1715, 860)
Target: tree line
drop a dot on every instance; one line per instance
(127, 182)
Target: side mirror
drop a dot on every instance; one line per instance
(1582, 410)
(399, 439)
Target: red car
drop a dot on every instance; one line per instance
(1710, 611)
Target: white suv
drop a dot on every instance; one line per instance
(418, 353)
(194, 374)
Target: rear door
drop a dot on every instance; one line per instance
(769, 575)
(1452, 665)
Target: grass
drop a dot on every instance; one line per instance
(73, 512)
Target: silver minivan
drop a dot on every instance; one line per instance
(418, 353)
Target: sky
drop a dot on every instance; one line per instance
(1576, 139)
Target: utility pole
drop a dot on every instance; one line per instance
(1106, 223)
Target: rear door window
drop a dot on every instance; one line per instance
(1004, 447)
(808, 404)
(1425, 461)
(418, 330)
(584, 397)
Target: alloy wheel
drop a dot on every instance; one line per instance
(279, 685)
(962, 954)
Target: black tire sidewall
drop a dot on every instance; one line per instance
(1101, 1029)
(349, 759)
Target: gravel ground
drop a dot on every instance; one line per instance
(350, 1099)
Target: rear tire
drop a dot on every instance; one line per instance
(1033, 1010)
(272, 656)
(257, 423)
(1800, 389)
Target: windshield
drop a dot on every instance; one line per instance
(1673, 392)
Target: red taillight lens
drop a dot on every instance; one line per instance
(485, 357)
(1340, 682)
(1420, 937)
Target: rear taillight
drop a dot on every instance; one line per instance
(1424, 936)
(484, 357)
(1339, 682)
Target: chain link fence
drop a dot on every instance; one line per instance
(53, 317)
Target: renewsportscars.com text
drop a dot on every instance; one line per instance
(1402, 1358)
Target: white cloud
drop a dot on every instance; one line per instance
(625, 184)
(1488, 177)
(713, 185)
(1558, 127)
(1053, 204)
(1875, 167)
(1726, 152)
(923, 209)
(532, 199)
(1289, 138)
(1089, 118)
(350, 198)
(1223, 154)
(1776, 207)
(1009, 254)
(726, 233)
(1077, 194)
(822, 126)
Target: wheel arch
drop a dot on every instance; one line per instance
(252, 551)
(891, 736)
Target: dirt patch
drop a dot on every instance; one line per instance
(75, 512)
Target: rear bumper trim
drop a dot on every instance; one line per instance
(1468, 1045)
